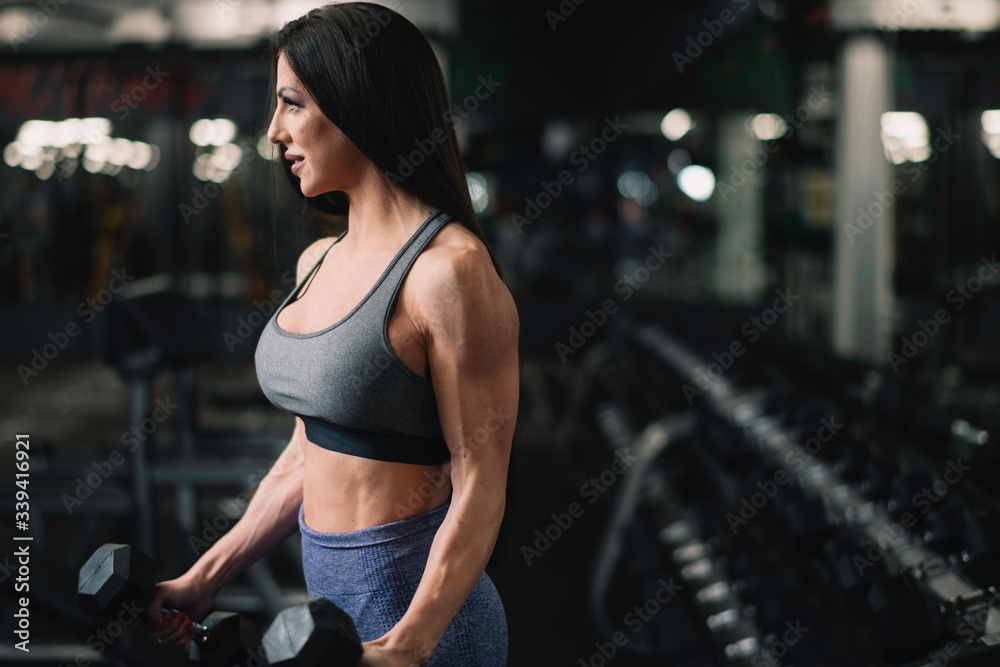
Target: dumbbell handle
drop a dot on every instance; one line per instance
(200, 631)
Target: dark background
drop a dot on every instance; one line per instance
(200, 282)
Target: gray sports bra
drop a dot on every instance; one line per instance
(346, 382)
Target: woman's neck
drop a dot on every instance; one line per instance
(379, 219)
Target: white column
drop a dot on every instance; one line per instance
(863, 263)
(739, 260)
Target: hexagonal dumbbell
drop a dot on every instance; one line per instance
(313, 633)
(119, 574)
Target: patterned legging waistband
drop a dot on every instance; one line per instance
(390, 555)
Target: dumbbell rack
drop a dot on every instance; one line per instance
(818, 505)
(735, 414)
(690, 555)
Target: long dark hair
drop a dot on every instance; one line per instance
(375, 76)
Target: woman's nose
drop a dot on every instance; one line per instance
(274, 131)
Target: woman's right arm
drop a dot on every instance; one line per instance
(270, 517)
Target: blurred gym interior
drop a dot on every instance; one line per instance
(753, 245)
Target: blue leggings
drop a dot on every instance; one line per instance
(373, 573)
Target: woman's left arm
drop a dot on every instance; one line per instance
(471, 326)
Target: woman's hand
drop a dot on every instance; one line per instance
(189, 596)
(379, 653)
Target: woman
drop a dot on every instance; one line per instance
(398, 356)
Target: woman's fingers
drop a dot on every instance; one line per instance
(161, 623)
(177, 631)
(173, 627)
(164, 626)
(188, 631)
(153, 617)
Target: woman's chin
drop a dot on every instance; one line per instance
(310, 190)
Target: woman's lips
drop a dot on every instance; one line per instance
(297, 164)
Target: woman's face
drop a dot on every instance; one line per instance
(322, 157)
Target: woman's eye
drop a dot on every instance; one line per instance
(290, 103)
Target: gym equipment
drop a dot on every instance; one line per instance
(949, 527)
(805, 518)
(911, 621)
(909, 490)
(230, 639)
(49, 583)
(879, 475)
(982, 539)
(310, 634)
(907, 620)
(883, 520)
(120, 576)
(155, 325)
(854, 569)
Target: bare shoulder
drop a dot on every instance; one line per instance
(311, 255)
(455, 275)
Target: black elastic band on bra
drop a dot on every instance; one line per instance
(395, 447)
